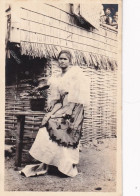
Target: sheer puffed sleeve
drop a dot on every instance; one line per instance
(79, 91)
(77, 84)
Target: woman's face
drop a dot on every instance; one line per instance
(63, 61)
(108, 12)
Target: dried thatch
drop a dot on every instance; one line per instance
(79, 57)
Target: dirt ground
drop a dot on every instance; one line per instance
(97, 173)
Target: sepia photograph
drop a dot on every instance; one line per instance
(62, 96)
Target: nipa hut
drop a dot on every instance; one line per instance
(34, 37)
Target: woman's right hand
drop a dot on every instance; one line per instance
(46, 118)
(50, 107)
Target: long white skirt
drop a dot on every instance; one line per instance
(48, 152)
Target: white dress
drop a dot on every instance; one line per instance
(47, 151)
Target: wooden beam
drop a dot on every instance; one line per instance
(19, 138)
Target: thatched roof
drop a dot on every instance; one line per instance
(79, 57)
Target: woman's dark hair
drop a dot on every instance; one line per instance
(67, 52)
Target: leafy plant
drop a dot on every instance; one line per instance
(38, 90)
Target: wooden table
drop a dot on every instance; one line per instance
(20, 131)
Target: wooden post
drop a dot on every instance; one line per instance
(19, 138)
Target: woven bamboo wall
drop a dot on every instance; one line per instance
(14, 102)
(100, 118)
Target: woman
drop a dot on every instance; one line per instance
(107, 18)
(58, 138)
